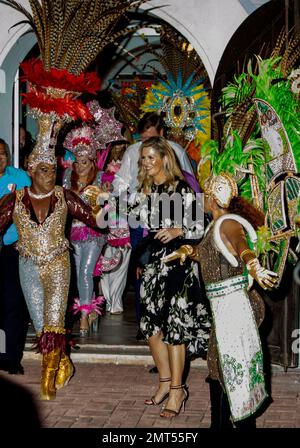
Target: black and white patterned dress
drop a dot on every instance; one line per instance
(171, 297)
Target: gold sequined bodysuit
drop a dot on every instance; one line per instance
(44, 262)
(41, 242)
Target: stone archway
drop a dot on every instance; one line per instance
(207, 25)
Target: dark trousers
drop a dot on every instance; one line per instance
(14, 315)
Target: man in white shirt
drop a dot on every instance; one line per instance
(151, 125)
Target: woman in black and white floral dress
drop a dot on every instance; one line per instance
(174, 318)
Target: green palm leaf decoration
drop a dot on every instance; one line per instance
(235, 160)
(273, 87)
(237, 92)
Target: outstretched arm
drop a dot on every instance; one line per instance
(7, 204)
(78, 209)
(233, 236)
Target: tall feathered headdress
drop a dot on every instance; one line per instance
(180, 93)
(70, 33)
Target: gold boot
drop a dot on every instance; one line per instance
(50, 366)
(65, 371)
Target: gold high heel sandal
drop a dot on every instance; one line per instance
(151, 401)
(173, 412)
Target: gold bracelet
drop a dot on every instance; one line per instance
(190, 249)
(246, 252)
(254, 262)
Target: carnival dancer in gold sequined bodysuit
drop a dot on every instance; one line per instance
(55, 82)
(40, 214)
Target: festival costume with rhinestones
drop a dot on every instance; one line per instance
(114, 264)
(171, 296)
(235, 355)
(45, 274)
(87, 244)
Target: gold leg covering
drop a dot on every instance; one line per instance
(50, 366)
(65, 371)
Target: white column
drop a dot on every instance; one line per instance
(2, 81)
(16, 120)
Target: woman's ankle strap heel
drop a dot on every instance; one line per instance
(164, 380)
(173, 412)
(152, 401)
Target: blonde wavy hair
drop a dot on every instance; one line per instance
(171, 167)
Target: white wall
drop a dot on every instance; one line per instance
(207, 24)
(8, 35)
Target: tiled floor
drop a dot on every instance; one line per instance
(103, 395)
(112, 396)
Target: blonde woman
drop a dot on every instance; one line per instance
(173, 318)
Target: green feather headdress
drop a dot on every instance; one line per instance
(236, 160)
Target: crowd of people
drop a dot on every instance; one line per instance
(190, 279)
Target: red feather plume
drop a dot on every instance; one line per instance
(61, 106)
(35, 73)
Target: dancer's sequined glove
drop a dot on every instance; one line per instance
(265, 278)
(91, 194)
